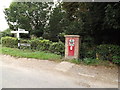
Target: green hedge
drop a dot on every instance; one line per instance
(36, 44)
(40, 44)
(87, 51)
(25, 41)
(57, 47)
(109, 52)
(9, 42)
(102, 52)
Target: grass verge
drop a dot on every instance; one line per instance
(92, 62)
(29, 54)
(50, 56)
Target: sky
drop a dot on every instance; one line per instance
(3, 23)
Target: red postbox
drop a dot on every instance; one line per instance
(72, 46)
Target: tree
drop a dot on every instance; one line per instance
(31, 16)
(99, 21)
(95, 22)
(112, 16)
(5, 33)
(56, 23)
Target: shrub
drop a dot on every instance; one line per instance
(108, 52)
(9, 42)
(87, 50)
(5, 33)
(36, 44)
(44, 45)
(116, 59)
(102, 52)
(57, 47)
(36, 38)
(40, 44)
(25, 41)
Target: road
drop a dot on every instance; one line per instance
(32, 73)
(18, 77)
(14, 76)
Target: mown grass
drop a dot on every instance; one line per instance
(50, 56)
(29, 54)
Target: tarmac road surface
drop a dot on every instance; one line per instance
(18, 77)
(32, 73)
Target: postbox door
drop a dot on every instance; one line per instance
(71, 46)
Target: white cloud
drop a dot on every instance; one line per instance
(3, 23)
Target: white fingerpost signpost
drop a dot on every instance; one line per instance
(18, 34)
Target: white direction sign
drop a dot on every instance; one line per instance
(18, 32)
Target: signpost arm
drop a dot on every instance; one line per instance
(18, 35)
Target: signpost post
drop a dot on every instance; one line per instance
(18, 34)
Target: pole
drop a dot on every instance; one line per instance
(18, 36)
(18, 44)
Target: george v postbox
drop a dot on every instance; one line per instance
(72, 46)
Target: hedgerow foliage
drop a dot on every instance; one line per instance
(36, 44)
(9, 42)
(101, 52)
(109, 52)
(104, 52)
